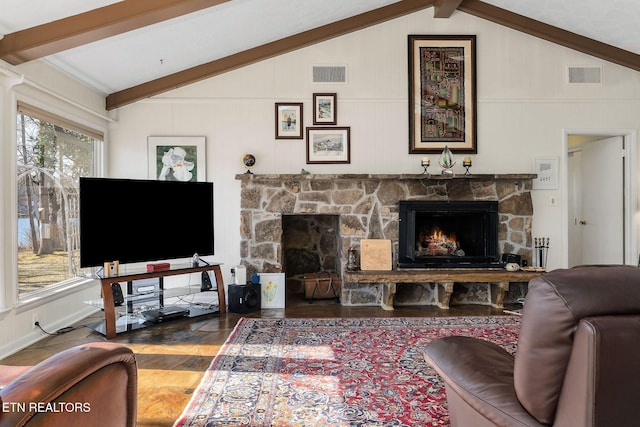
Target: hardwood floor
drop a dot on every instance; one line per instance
(172, 357)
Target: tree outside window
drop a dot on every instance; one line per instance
(50, 159)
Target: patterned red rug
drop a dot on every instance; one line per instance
(333, 372)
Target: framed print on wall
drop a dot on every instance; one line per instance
(442, 93)
(289, 120)
(328, 145)
(547, 170)
(177, 158)
(325, 109)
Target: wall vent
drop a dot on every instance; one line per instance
(584, 75)
(329, 74)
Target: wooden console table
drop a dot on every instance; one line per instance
(140, 274)
(444, 279)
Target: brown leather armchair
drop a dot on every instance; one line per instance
(577, 361)
(89, 385)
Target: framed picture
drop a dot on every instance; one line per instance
(547, 170)
(289, 120)
(325, 109)
(328, 145)
(273, 290)
(442, 93)
(177, 158)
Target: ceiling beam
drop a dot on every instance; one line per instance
(53, 37)
(444, 8)
(551, 33)
(269, 50)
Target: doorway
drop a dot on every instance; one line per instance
(600, 191)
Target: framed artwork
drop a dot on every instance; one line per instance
(272, 286)
(442, 93)
(289, 120)
(547, 170)
(325, 109)
(177, 158)
(328, 145)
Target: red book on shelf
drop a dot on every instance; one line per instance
(158, 266)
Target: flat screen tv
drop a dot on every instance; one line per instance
(129, 221)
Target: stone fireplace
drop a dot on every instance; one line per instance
(364, 207)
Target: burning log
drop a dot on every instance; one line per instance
(437, 243)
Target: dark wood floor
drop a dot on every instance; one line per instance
(172, 357)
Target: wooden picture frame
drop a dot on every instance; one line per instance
(328, 145)
(177, 158)
(325, 109)
(289, 120)
(442, 93)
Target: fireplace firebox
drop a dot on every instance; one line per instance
(441, 234)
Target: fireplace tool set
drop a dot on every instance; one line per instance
(541, 251)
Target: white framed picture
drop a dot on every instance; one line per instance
(177, 158)
(273, 290)
(547, 170)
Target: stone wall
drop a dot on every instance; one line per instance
(367, 207)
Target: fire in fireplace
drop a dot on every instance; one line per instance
(437, 234)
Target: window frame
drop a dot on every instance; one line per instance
(27, 300)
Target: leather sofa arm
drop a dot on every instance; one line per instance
(91, 384)
(481, 374)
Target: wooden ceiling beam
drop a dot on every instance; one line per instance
(266, 51)
(445, 8)
(53, 37)
(551, 33)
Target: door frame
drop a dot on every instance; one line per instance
(631, 178)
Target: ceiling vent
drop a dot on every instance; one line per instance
(585, 75)
(329, 74)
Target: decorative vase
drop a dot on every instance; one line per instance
(447, 161)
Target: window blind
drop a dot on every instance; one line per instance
(48, 117)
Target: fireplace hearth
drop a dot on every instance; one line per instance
(441, 234)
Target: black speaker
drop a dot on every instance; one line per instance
(244, 298)
(118, 297)
(206, 282)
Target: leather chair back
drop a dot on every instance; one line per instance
(555, 305)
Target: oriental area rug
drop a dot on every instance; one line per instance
(333, 372)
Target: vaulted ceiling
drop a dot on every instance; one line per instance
(133, 49)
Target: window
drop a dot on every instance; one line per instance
(52, 153)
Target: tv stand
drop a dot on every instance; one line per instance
(109, 328)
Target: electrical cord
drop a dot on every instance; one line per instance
(58, 332)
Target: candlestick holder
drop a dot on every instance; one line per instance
(425, 165)
(467, 165)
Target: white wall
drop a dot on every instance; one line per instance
(46, 88)
(524, 105)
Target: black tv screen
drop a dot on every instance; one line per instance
(128, 220)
